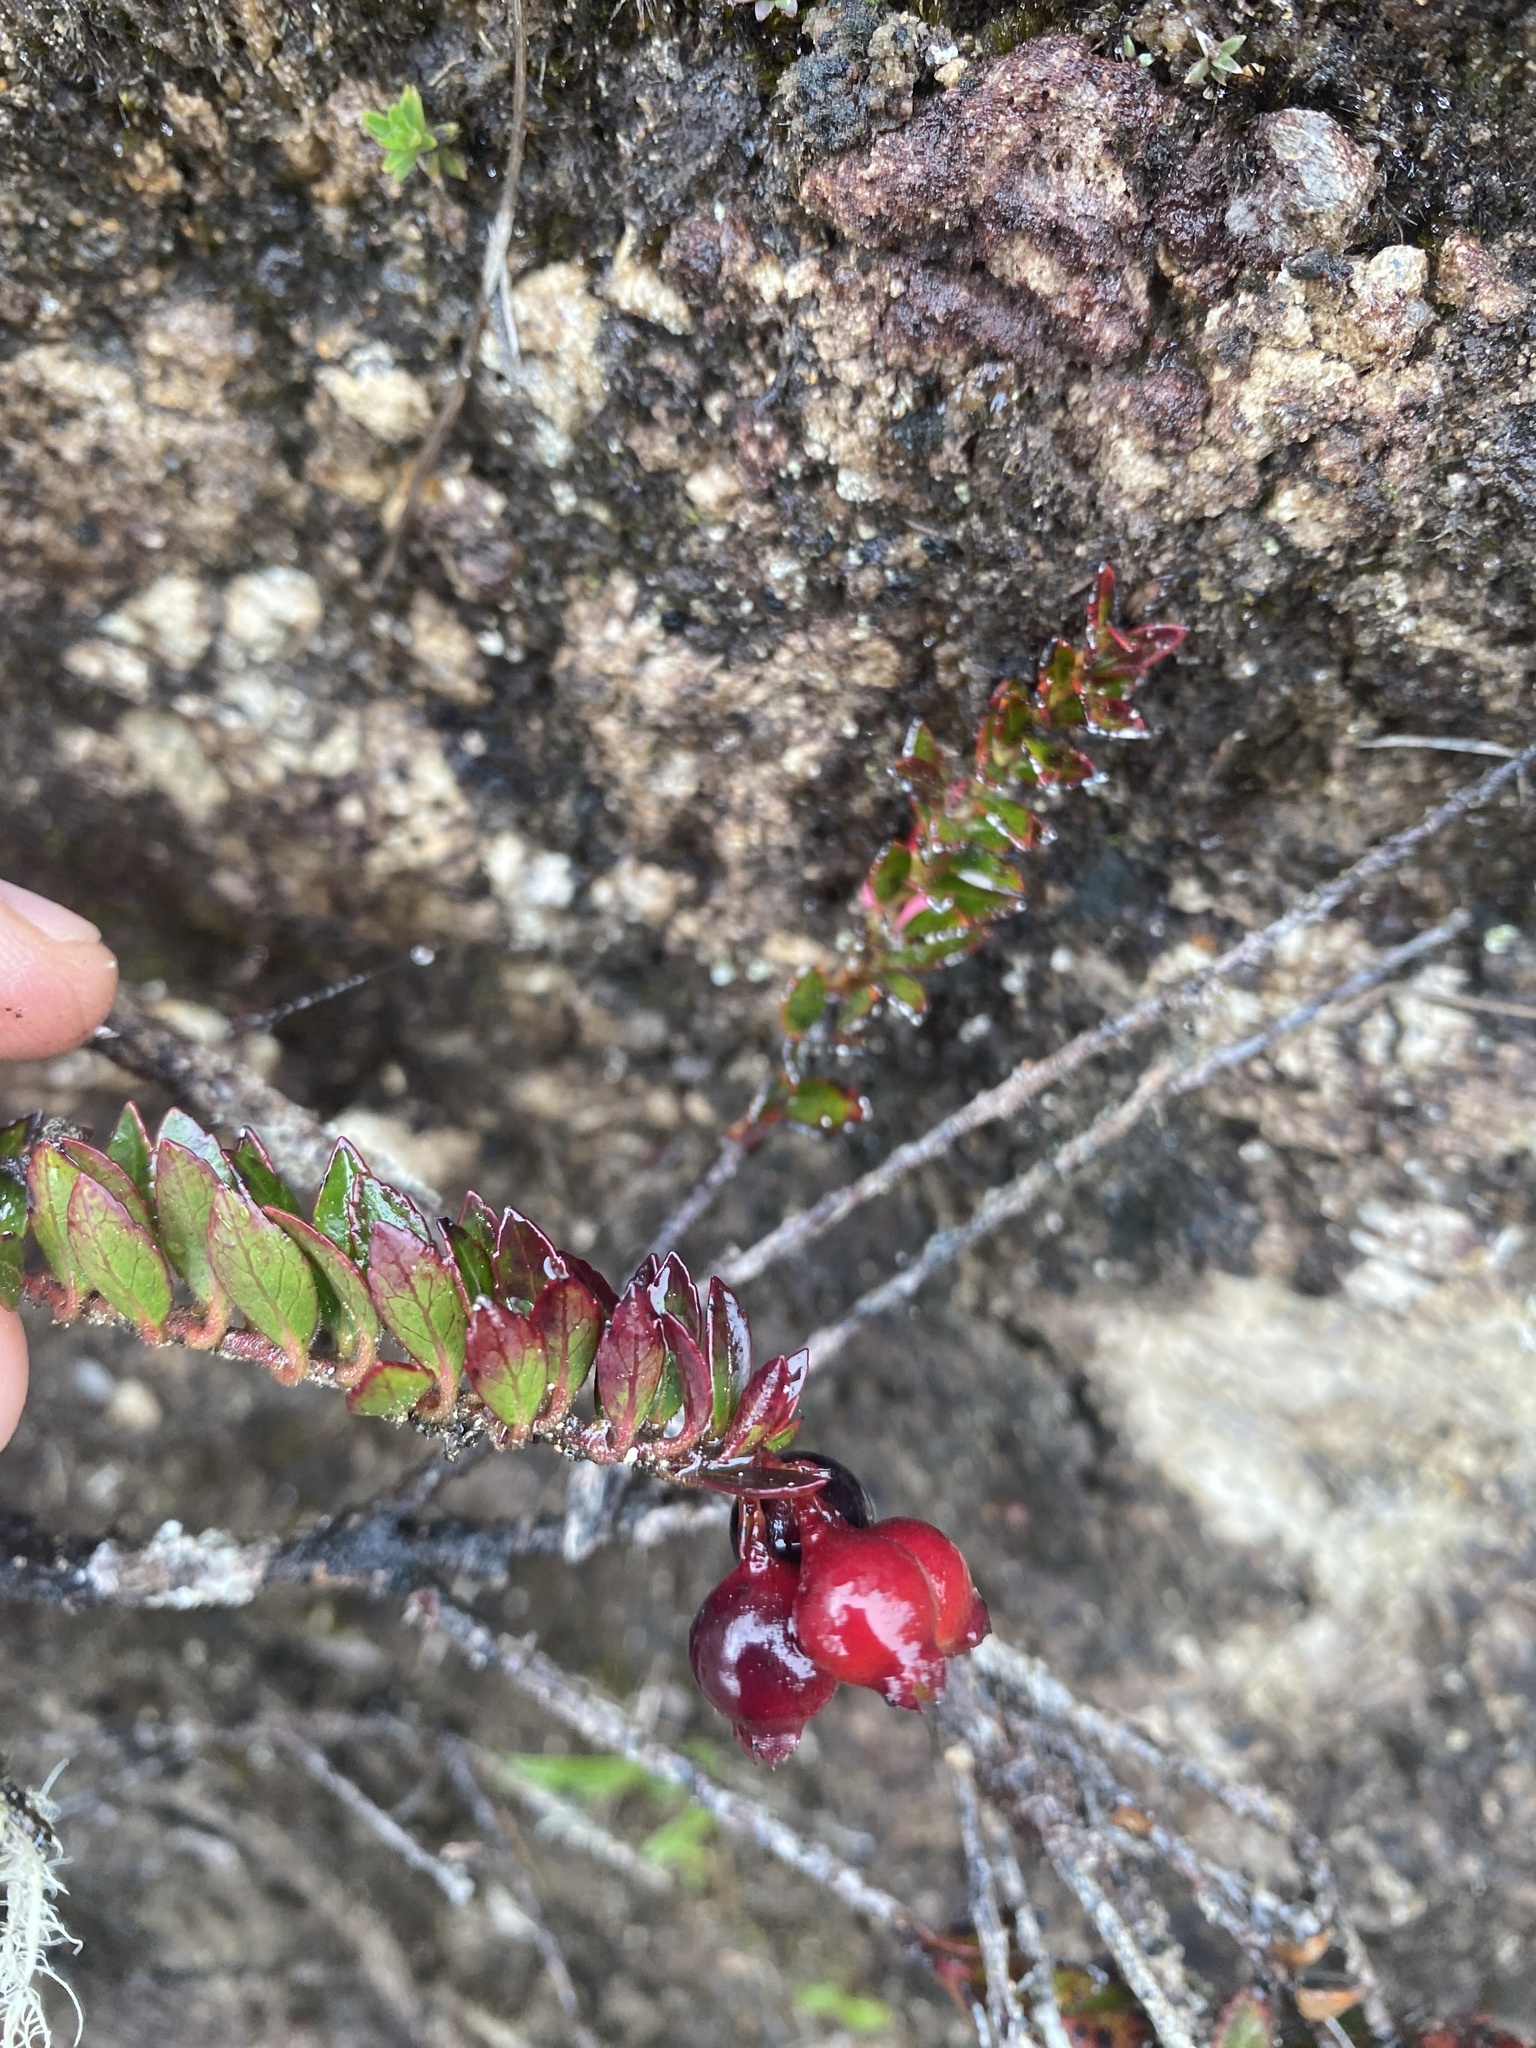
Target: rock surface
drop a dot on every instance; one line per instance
(843, 357)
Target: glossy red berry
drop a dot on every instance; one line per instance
(962, 1613)
(865, 1612)
(749, 1663)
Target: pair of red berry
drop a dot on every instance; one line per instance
(823, 1595)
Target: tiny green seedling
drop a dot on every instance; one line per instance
(403, 133)
(1132, 55)
(1217, 62)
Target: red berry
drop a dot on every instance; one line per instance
(748, 1662)
(865, 1611)
(963, 1617)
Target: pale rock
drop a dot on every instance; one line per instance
(372, 389)
(638, 289)
(1467, 274)
(173, 619)
(529, 883)
(110, 667)
(270, 615)
(189, 351)
(640, 892)
(1312, 188)
(558, 373)
(444, 656)
(167, 755)
(714, 488)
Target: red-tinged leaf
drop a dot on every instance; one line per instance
(184, 1131)
(525, 1259)
(118, 1259)
(606, 1296)
(761, 1482)
(480, 1222)
(417, 1292)
(265, 1275)
(822, 1106)
(693, 1374)
(569, 1320)
(506, 1363)
(50, 1182)
(907, 993)
(1244, 2022)
(887, 879)
(631, 1359)
(389, 1390)
(108, 1174)
(129, 1145)
(372, 1202)
(16, 1138)
(673, 1293)
(474, 1259)
(12, 1258)
(768, 1406)
(857, 1005)
(333, 1204)
(346, 1306)
(730, 1353)
(260, 1178)
(803, 1006)
(185, 1185)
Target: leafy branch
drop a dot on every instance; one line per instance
(931, 898)
(479, 1326)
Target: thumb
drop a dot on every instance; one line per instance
(57, 979)
(13, 1372)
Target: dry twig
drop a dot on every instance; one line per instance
(1157, 1084)
(1032, 1079)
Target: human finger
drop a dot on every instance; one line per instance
(13, 1372)
(57, 979)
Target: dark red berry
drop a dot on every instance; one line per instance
(865, 1611)
(843, 1496)
(963, 1617)
(749, 1663)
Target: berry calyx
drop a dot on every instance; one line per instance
(843, 1496)
(962, 1613)
(747, 1659)
(864, 1610)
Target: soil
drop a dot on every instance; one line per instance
(849, 346)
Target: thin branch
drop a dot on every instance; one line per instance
(457, 1757)
(1433, 744)
(606, 1726)
(1032, 1078)
(1479, 1006)
(1157, 1084)
(457, 1886)
(727, 1164)
(1004, 2011)
(563, 1821)
(221, 1091)
(1040, 1982)
(493, 289)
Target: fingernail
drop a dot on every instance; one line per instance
(50, 918)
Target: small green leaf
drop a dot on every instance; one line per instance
(506, 1364)
(261, 1179)
(332, 1211)
(678, 1844)
(182, 1130)
(185, 1186)
(569, 1323)
(12, 1251)
(804, 1004)
(13, 1199)
(524, 1256)
(417, 1293)
(479, 1221)
(373, 1201)
(265, 1274)
(129, 1146)
(389, 1390)
(474, 1259)
(843, 2008)
(584, 1777)
(822, 1105)
(108, 1174)
(1244, 2022)
(857, 1005)
(907, 993)
(729, 1351)
(50, 1182)
(888, 876)
(118, 1259)
(346, 1306)
(15, 1138)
